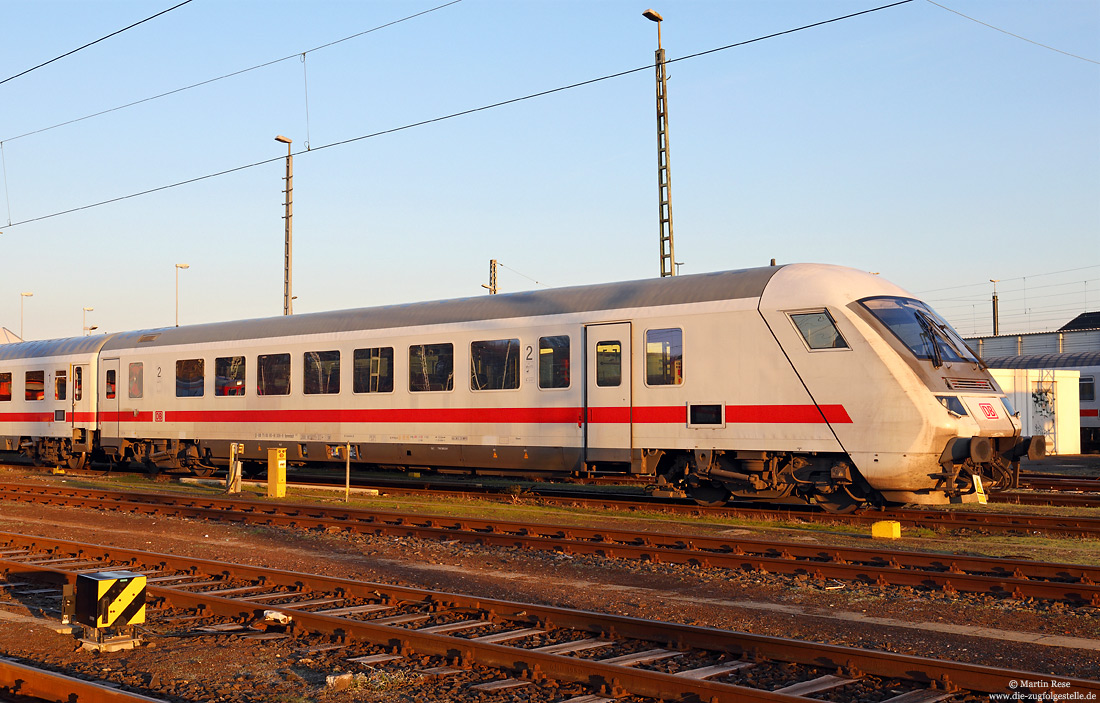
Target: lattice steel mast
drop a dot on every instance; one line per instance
(664, 176)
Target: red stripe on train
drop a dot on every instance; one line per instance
(672, 414)
(1090, 412)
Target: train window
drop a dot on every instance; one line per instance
(609, 363)
(819, 330)
(373, 370)
(112, 383)
(494, 365)
(431, 367)
(1088, 389)
(273, 374)
(78, 383)
(5, 386)
(229, 375)
(136, 380)
(190, 378)
(35, 388)
(321, 373)
(664, 357)
(59, 384)
(554, 361)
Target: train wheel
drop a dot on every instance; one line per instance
(203, 471)
(76, 462)
(709, 495)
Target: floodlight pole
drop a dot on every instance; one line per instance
(664, 175)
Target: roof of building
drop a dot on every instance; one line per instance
(1084, 321)
(1045, 361)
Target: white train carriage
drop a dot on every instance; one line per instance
(805, 381)
(1088, 364)
(48, 399)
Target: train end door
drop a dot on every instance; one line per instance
(108, 401)
(608, 432)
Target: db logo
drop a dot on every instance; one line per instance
(158, 416)
(990, 413)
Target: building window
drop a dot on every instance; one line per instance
(111, 384)
(136, 380)
(664, 357)
(35, 388)
(321, 373)
(819, 331)
(190, 378)
(273, 374)
(5, 386)
(60, 383)
(609, 363)
(229, 375)
(1088, 389)
(431, 367)
(494, 365)
(554, 362)
(373, 370)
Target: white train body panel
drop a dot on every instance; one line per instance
(624, 375)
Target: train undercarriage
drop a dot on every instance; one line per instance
(709, 477)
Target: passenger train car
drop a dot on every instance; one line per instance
(802, 381)
(1088, 364)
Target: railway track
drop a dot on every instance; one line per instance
(499, 645)
(936, 519)
(29, 684)
(1016, 578)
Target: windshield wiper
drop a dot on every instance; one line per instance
(933, 337)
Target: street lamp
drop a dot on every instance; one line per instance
(84, 320)
(21, 296)
(288, 249)
(178, 267)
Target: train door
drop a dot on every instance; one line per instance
(109, 401)
(81, 415)
(607, 413)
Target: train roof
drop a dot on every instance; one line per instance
(653, 292)
(52, 347)
(1045, 361)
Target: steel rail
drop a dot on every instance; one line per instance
(928, 518)
(944, 674)
(881, 567)
(31, 682)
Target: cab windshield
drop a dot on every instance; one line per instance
(926, 334)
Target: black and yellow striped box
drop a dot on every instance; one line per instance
(110, 599)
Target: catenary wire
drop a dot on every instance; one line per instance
(1004, 280)
(229, 75)
(451, 116)
(70, 53)
(1002, 31)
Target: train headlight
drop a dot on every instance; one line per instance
(953, 404)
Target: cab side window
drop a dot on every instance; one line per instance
(818, 330)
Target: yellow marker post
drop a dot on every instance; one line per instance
(886, 529)
(979, 489)
(276, 473)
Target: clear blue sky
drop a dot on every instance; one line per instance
(912, 142)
